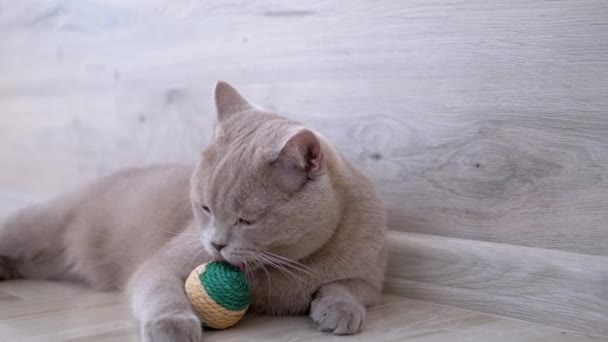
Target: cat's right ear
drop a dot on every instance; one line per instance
(228, 101)
(301, 158)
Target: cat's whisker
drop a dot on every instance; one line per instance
(254, 260)
(292, 272)
(196, 256)
(248, 272)
(194, 245)
(287, 260)
(186, 202)
(287, 264)
(263, 267)
(177, 233)
(287, 272)
(280, 268)
(193, 242)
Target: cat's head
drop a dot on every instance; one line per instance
(262, 186)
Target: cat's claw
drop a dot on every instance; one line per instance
(173, 327)
(338, 315)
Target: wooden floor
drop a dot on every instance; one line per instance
(47, 312)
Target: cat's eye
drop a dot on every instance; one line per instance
(244, 222)
(206, 208)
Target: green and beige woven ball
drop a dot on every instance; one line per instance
(219, 294)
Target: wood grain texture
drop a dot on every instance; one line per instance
(566, 290)
(480, 119)
(47, 312)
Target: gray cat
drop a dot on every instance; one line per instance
(269, 195)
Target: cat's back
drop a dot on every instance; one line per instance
(124, 217)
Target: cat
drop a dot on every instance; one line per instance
(268, 195)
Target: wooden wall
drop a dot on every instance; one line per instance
(484, 123)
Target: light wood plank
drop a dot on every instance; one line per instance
(563, 289)
(39, 311)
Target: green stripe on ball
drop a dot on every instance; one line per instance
(226, 285)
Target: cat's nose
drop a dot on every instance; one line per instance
(218, 246)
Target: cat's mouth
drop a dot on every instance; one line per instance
(239, 265)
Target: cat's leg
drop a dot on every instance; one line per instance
(9, 240)
(157, 295)
(31, 242)
(339, 307)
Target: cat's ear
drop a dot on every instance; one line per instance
(300, 159)
(228, 101)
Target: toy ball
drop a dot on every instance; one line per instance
(219, 294)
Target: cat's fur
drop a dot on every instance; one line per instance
(268, 189)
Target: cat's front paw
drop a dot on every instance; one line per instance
(339, 315)
(178, 327)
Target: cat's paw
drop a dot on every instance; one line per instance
(339, 315)
(178, 327)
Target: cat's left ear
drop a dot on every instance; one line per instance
(228, 101)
